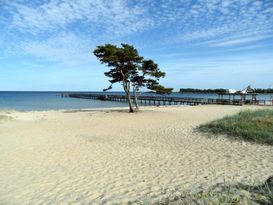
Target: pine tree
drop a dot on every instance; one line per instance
(131, 70)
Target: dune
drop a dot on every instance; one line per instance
(114, 157)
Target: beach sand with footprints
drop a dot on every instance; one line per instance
(112, 157)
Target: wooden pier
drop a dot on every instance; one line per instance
(166, 100)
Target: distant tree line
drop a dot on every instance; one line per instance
(221, 90)
(193, 90)
(261, 90)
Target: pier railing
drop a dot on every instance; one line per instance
(167, 100)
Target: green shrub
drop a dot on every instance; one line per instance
(256, 126)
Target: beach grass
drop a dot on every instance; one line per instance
(239, 194)
(223, 194)
(256, 126)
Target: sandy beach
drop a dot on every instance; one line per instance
(113, 157)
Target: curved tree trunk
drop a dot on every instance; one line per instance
(131, 109)
(135, 97)
(126, 87)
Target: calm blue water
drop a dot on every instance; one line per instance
(32, 101)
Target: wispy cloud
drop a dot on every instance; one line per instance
(114, 16)
(215, 20)
(185, 20)
(64, 32)
(32, 65)
(240, 41)
(65, 48)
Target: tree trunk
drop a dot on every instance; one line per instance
(126, 87)
(131, 109)
(135, 97)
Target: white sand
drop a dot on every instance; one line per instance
(108, 157)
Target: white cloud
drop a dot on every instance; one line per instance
(225, 71)
(114, 16)
(32, 65)
(204, 34)
(64, 48)
(240, 41)
(213, 23)
(193, 20)
(63, 33)
(219, 19)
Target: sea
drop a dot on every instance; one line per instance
(42, 101)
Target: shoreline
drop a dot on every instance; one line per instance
(142, 108)
(104, 156)
(94, 109)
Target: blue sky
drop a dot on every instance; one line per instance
(48, 44)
